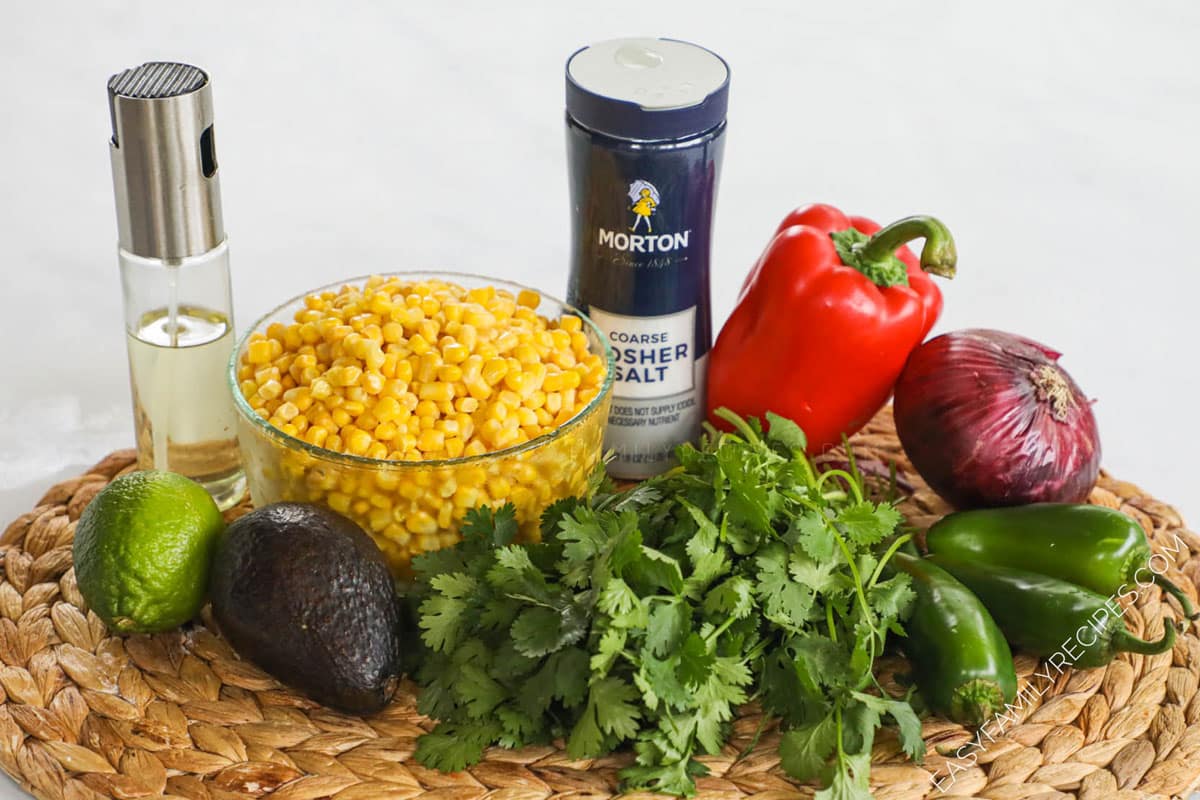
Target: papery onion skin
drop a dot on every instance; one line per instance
(989, 419)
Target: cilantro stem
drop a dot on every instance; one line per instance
(724, 626)
(758, 732)
(739, 424)
(830, 623)
(846, 476)
(837, 718)
(887, 556)
(858, 584)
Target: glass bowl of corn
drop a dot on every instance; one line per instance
(403, 400)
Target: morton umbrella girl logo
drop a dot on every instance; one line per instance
(644, 198)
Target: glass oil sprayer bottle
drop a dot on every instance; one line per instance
(175, 275)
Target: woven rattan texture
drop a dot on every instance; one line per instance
(88, 715)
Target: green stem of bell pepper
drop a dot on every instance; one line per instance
(938, 256)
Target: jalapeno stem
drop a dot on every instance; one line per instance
(1184, 601)
(1125, 642)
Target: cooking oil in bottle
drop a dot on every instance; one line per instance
(182, 416)
(174, 259)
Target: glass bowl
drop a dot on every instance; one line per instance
(410, 507)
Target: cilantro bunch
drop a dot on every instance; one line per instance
(646, 617)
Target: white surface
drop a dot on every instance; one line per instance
(1057, 140)
(655, 73)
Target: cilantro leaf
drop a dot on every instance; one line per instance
(656, 570)
(859, 721)
(514, 573)
(615, 712)
(442, 614)
(747, 500)
(782, 430)
(813, 535)
(494, 526)
(569, 668)
(478, 691)
(452, 748)
(582, 535)
(519, 728)
(611, 644)
(668, 624)
(539, 631)
(732, 597)
(851, 781)
(893, 598)
(617, 599)
(819, 661)
(785, 601)
(586, 739)
(609, 711)
(906, 720)
(695, 660)
(866, 523)
(817, 576)
(704, 551)
(657, 679)
(805, 750)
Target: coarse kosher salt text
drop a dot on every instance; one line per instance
(653, 356)
(647, 362)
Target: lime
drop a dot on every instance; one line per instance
(143, 548)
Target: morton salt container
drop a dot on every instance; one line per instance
(645, 133)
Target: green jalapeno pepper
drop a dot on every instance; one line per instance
(1092, 546)
(961, 662)
(1049, 617)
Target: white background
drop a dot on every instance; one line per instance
(1057, 140)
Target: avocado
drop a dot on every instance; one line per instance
(306, 594)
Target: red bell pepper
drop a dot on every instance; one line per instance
(826, 320)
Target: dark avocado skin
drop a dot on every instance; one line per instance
(305, 594)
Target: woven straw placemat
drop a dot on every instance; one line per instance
(85, 714)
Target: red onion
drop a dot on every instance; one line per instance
(989, 419)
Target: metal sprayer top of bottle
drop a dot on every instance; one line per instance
(647, 89)
(164, 161)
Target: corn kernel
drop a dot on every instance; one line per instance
(431, 441)
(270, 390)
(321, 389)
(359, 442)
(421, 522)
(344, 376)
(479, 389)
(259, 352)
(419, 344)
(529, 298)
(387, 409)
